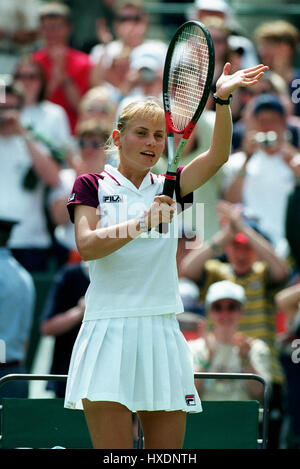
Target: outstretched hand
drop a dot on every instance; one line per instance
(227, 83)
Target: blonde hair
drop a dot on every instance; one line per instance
(148, 108)
(278, 31)
(144, 108)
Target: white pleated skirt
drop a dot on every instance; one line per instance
(143, 363)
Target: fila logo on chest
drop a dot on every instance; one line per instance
(112, 198)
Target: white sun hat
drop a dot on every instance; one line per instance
(224, 290)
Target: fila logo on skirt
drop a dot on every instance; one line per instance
(190, 399)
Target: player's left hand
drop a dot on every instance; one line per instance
(227, 83)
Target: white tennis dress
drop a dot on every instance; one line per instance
(130, 348)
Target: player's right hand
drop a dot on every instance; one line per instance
(162, 211)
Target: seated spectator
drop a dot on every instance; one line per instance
(67, 70)
(260, 176)
(62, 316)
(223, 349)
(288, 301)
(17, 301)
(98, 103)
(252, 263)
(27, 170)
(89, 158)
(277, 43)
(18, 31)
(112, 60)
(48, 120)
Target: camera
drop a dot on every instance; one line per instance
(267, 139)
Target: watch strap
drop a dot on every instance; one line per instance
(222, 101)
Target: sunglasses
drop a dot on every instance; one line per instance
(231, 307)
(27, 76)
(99, 109)
(123, 19)
(83, 143)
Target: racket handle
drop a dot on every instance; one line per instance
(168, 189)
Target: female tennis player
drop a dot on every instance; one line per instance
(130, 354)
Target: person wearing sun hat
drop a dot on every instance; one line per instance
(225, 290)
(17, 299)
(224, 349)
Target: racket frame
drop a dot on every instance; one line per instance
(174, 157)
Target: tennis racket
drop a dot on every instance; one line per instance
(188, 73)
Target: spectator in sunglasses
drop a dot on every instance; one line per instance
(98, 103)
(28, 170)
(47, 119)
(89, 157)
(112, 60)
(224, 349)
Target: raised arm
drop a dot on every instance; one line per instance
(276, 266)
(288, 300)
(202, 168)
(193, 263)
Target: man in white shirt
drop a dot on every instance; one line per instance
(26, 169)
(260, 177)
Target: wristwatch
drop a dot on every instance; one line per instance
(142, 220)
(222, 101)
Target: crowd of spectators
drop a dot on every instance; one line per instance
(68, 70)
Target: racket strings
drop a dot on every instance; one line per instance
(188, 75)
